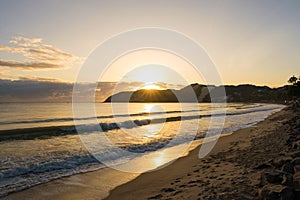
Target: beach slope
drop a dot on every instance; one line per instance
(253, 163)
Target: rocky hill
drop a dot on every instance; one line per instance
(240, 93)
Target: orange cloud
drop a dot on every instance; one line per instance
(28, 65)
(37, 55)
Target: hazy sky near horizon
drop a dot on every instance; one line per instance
(254, 42)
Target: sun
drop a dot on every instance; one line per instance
(151, 86)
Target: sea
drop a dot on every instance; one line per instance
(62, 149)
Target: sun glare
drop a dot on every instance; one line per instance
(151, 86)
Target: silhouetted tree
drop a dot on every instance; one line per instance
(293, 80)
(298, 82)
(294, 89)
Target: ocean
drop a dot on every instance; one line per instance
(140, 131)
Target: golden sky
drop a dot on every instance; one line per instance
(255, 42)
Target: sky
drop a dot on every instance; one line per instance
(47, 42)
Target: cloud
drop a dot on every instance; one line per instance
(37, 55)
(34, 78)
(34, 90)
(28, 65)
(37, 89)
(25, 42)
(12, 49)
(2, 72)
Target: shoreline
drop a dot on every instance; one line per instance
(235, 168)
(131, 186)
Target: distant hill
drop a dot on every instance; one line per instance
(240, 93)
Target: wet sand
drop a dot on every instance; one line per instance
(238, 168)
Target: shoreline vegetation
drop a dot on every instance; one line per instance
(259, 162)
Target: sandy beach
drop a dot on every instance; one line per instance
(259, 162)
(253, 163)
